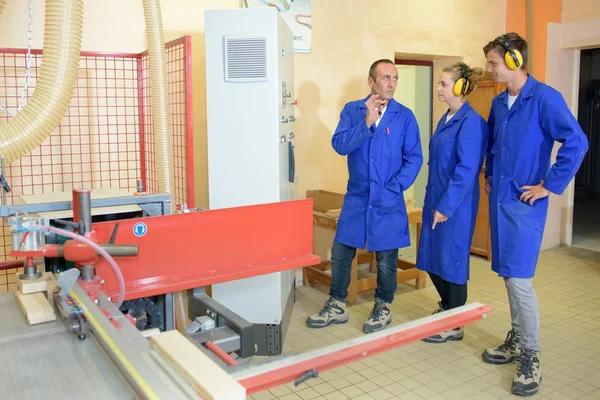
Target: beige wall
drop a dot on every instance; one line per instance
(345, 44)
(118, 26)
(332, 74)
(580, 10)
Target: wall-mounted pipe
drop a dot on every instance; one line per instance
(162, 126)
(160, 99)
(56, 84)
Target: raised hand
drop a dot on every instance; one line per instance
(374, 105)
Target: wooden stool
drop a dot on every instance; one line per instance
(328, 219)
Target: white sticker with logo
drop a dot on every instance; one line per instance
(140, 229)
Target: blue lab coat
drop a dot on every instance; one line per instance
(382, 163)
(456, 153)
(519, 154)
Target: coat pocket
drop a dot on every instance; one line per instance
(390, 200)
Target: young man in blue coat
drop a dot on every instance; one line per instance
(381, 139)
(524, 123)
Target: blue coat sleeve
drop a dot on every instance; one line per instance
(489, 157)
(559, 122)
(468, 153)
(348, 136)
(413, 158)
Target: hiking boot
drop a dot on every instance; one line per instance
(506, 352)
(333, 312)
(452, 334)
(529, 374)
(380, 317)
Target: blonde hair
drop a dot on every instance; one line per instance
(473, 75)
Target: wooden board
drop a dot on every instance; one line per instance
(207, 378)
(34, 285)
(36, 307)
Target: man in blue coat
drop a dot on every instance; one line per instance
(381, 139)
(524, 123)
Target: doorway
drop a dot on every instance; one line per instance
(586, 212)
(415, 92)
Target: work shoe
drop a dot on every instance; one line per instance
(529, 374)
(506, 352)
(380, 317)
(452, 334)
(333, 312)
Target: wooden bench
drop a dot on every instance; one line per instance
(327, 207)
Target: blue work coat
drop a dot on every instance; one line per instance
(456, 153)
(382, 163)
(519, 154)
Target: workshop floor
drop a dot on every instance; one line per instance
(568, 288)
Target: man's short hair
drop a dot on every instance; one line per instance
(514, 40)
(373, 69)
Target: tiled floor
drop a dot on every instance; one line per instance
(568, 288)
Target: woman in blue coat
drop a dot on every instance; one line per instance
(456, 153)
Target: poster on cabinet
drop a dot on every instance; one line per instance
(296, 13)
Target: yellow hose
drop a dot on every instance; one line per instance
(56, 83)
(162, 126)
(160, 99)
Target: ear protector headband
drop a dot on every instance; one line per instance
(513, 58)
(461, 86)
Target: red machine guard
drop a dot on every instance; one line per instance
(183, 251)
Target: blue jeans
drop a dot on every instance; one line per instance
(341, 266)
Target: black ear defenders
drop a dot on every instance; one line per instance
(513, 58)
(461, 86)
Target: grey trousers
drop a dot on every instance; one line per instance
(524, 313)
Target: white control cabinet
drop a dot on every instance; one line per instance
(250, 113)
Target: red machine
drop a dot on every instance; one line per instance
(170, 253)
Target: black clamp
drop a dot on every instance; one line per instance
(4, 183)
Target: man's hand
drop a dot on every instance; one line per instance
(438, 218)
(374, 104)
(488, 185)
(533, 193)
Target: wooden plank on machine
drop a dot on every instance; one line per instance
(36, 308)
(209, 379)
(27, 286)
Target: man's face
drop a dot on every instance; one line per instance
(497, 67)
(385, 83)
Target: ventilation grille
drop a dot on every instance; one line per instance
(245, 59)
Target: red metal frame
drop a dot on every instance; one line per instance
(355, 349)
(179, 61)
(184, 251)
(104, 139)
(189, 116)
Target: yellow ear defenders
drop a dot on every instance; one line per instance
(461, 86)
(513, 58)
